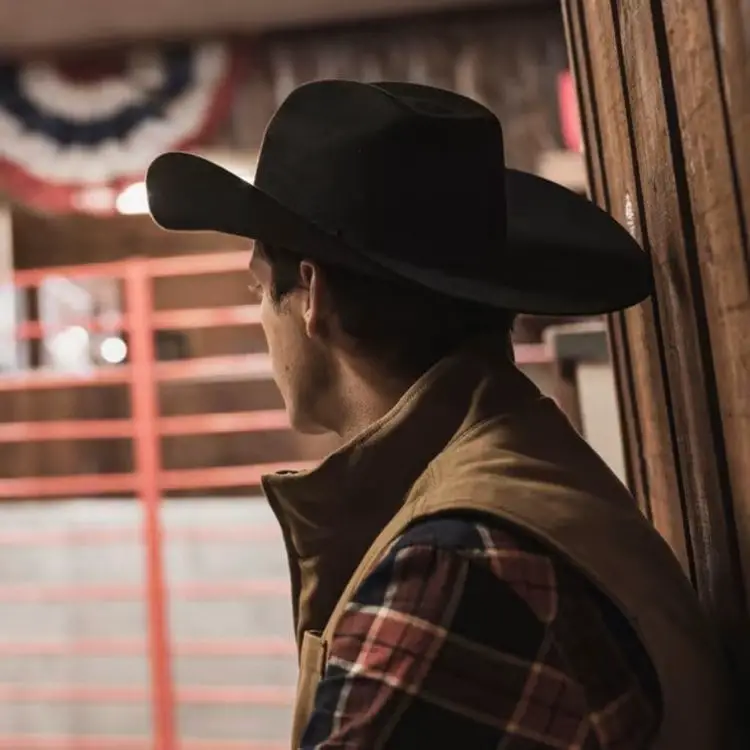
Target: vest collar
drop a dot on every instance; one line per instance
(331, 514)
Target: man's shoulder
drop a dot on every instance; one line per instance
(585, 625)
(505, 561)
(468, 609)
(468, 532)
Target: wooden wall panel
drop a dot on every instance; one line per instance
(665, 101)
(38, 24)
(509, 58)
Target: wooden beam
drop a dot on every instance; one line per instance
(28, 25)
(665, 103)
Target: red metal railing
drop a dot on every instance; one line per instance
(150, 479)
(145, 428)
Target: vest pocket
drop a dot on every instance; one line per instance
(311, 667)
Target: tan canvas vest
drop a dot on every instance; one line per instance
(475, 434)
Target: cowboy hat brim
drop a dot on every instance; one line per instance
(563, 254)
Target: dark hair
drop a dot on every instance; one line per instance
(404, 326)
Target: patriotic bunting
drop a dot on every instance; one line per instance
(75, 134)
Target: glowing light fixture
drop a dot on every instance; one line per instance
(133, 199)
(113, 350)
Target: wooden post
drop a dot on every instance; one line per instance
(664, 90)
(9, 303)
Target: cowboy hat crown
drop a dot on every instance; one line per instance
(409, 181)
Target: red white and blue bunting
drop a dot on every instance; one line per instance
(73, 136)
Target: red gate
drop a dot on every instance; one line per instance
(146, 427)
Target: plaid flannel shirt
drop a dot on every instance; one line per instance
(470, 635)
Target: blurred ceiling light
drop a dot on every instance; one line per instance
(113, 350)
(95, 200)
(134, 198)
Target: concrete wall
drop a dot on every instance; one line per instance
(192, 619)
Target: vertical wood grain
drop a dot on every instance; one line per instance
(665, 91)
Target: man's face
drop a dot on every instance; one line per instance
(299, 360)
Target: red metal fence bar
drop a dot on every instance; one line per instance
(173, 265)
(206, 317)
(16, 432)
(195, 265)
(32, 277)
(247, 647)
(45, 380)
(83, 485)
(160, 320)
(249, 421)
(183, 424)
(122, 592)
(223, 476)
(147, 449)
(227, 367)
(34, 329)
(110, 535)
(87, 485)
(126, 694)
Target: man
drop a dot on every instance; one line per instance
(466, 571)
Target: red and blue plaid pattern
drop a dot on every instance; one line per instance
(470, 636)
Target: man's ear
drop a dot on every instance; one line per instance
(313, 284)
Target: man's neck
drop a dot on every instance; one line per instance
(366, 395)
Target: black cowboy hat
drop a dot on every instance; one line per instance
(404, 180)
